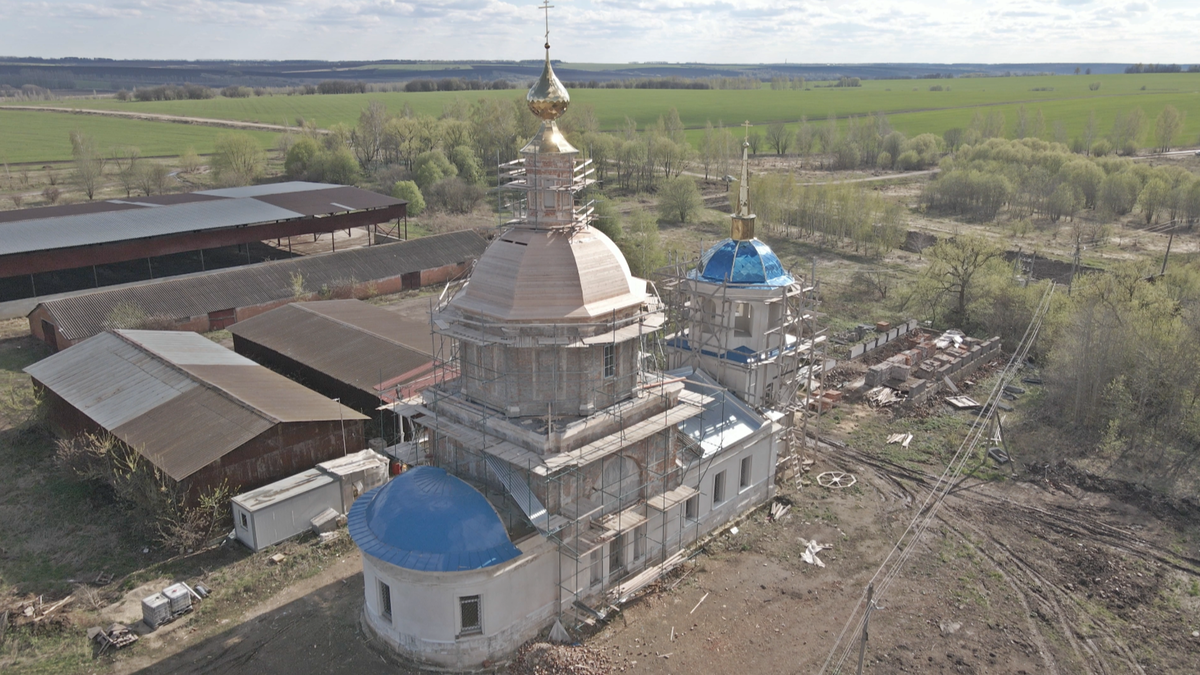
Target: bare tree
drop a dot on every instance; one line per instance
(126, 160)
(779, 137)
(1167, 126)
(238, 159)
(368, 136)
(88, 163)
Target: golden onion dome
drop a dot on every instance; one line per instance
(548, 98)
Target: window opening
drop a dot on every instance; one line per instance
(745, 477)
(472, 619)
(719, 488)
(385, 601)
(741, 319)
(610, 360)
(691, 508)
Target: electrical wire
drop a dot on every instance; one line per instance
(902, 550)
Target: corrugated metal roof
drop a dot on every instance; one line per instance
(139, 223)
(269, 189)
(111, 380)
(333, 200)
(350, 341)
(71, 225)
(181, 414)
(63, 210)
(80, 316)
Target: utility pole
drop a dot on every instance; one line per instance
(1074, 266)
(342, 421)
(1166, 255)
(862, 649)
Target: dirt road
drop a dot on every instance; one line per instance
(155, 117)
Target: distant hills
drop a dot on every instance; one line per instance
(111, 75)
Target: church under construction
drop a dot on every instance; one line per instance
(584, 431)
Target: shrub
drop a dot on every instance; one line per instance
(51, 194)
(679, 199)
(454, 195)
(409, 192)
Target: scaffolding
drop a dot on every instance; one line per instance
(699, 313)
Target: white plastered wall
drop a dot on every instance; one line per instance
(517, 599)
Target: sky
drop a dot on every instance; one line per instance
(611, 31)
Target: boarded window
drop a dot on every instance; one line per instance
(472, 618)
(719, 488)
(385, 601)
(747, 465)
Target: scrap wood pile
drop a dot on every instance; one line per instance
(115, 636)
(778, 510)
(35, 611)
(542, 658)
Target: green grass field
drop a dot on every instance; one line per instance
(45, 137)
(909, 104)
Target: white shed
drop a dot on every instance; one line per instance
(284, 508)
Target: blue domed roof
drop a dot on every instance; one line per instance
(427, 520)
(747, 262)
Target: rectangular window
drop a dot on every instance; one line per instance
(744, 482)
(639, 542)
(616, 554)
(719, 488)
(597, 568)
(472, 617)
(245, 523)
(741, 319)
(691, 508)
(385, 601)
(610, 360)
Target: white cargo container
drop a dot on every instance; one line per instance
(180, 597)
(283, 509)
(358, 473)
(156, 610)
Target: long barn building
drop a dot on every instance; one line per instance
(55, 238)
(216, 300)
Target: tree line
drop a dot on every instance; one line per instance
(1032, 177)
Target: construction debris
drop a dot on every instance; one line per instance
(811, 550)
(276, 559)
(115, 636)
(883, 396)
(548, 659)
(901, 438)
(778, 510)
(699, 603)
(836, 480)
(962, 402)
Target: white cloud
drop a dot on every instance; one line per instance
(609, 30)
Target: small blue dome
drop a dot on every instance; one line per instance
(747, 263)
(427, 520)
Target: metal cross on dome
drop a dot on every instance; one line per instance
(546, 6)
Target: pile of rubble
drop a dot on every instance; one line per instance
(932, 361)
(543, 658)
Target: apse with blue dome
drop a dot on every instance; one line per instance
(749, 263)
(430, 521)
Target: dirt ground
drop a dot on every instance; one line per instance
(1052, 572)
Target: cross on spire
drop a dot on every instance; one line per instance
(546, 6)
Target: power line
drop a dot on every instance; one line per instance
(902, 550)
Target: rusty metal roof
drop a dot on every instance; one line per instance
(351, 341)
(80, 316)
(180, 399)
(75, 225)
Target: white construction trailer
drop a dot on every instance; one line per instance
(272, 513)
